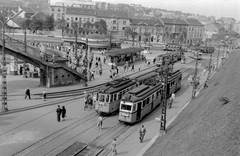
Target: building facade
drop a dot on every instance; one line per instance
(116, 21)
(88, 4)
(57, 11)
(175, 30)
(84, 18)
(147, 30)
(195, 31)
(211, 29)
(236, 27)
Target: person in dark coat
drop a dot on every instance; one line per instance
(58, 113)
(21, 70)
(64, 111)
(44, 95)
(27, 93)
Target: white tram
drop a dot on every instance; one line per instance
(108, 98)
(142, 100)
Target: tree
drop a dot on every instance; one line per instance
(62, 24)
(101, 26)
(25, 24)
(48, 23)
(36, 24)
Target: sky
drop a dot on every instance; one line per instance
(217, 8)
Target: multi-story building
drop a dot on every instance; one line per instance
(227, 22)
(175, 30)
(84, 18)
(88, 4)
(195, 31)
(147, 29)
(116, 21)
(57, 11)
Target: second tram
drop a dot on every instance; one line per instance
(142, 100)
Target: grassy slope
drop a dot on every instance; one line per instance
(206, 126)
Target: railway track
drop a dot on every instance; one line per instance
(58, 144)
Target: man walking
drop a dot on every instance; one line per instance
(114, 147)
(58, 113)
(27, 93)
(132, 67)
(99, 123)
(44, 95)
(142, 133)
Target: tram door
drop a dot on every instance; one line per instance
(139, 110)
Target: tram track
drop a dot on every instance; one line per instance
(50, 138)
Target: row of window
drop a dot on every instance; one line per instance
(81, 19)
(113, 97)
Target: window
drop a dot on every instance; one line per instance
(114, 22)
(107, 98)
(76, 19)
(97, 97)
(124, 22)
(92, 19)
(111, 100)
(88, 19)
(52, 9)
(144, 103)
(123, 28)
(115, 97)
(119, 95)
(134, 107)
(84, 19)
(80, 19)
(71, 18)
(148, 100)
(101, 98)
(126, 107)
(59, 10)
(114, 28)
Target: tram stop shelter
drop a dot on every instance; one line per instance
(121, 56)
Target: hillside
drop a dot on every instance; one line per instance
(207, 126)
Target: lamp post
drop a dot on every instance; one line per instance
(218, 55)
(164, 107)
(4, 78)
(195, 78)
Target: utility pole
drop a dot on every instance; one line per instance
(195, 78)
(218, 55)
(87, 63)
(25, 49)
(164, 107)
(4, 73)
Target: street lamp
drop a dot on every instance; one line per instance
(195, 78)
(218, 54)
(4, 78)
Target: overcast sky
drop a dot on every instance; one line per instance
(217, 8)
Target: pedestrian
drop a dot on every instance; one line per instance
(44, 95)
(114, 147)
(99, 123)
(58, 113)
(100, 71)
(93, 74)
(139, 69)
(142, 133)
(21, 70)
(173, 96)
(132, 67)
(27, 93)
(104, 60)
(63, 111)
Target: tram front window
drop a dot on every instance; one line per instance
(126, 107)
(101, 98)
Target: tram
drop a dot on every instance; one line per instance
(168, 57)
(108, 98)
(142, 100)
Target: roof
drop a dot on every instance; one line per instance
(174, 21)
(123, 51)
(146, 22)
(80, 11)
(28, 10)
(194, 22)
(219, 26)
(112, 14)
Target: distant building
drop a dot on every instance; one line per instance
(147, 29)
(57, 11)
(175, 30)
(227, 22)
(102, 5)
(27, 12)
(116, 21)
(81, 16)
(211, 29)
(236, 27)
(88, 4)
(195, 31)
